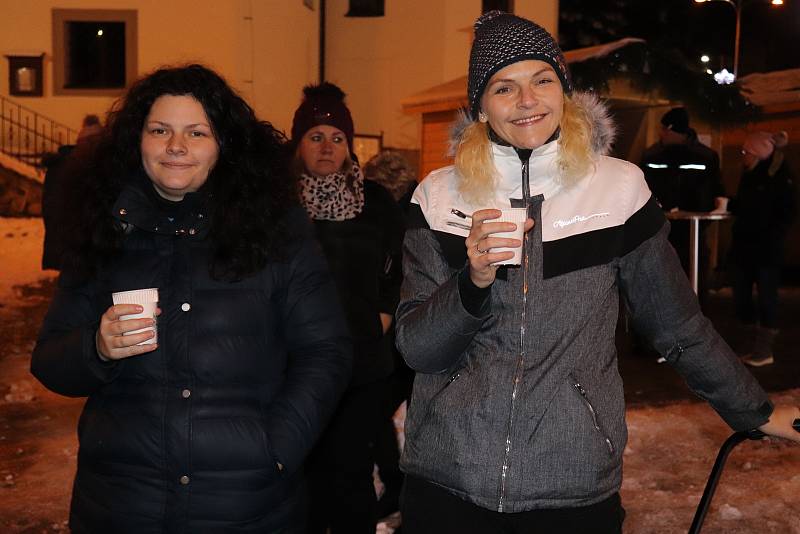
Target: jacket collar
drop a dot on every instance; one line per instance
(542, 171)
(139, 206)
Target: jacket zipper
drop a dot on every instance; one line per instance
(582, 392)
(518, 371)
(453, 377)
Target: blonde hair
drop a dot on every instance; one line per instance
(576, 157)
(475, 163)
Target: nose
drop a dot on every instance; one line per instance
(327, 146)
(176, 146)
(527, 97)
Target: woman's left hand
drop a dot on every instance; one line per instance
(780, 423)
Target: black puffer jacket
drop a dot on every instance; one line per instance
(364, 256)
(207, 433)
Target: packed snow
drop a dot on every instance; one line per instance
(670, 451)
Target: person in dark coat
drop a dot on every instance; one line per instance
(56, 211)
(205, 430)
(683, 174)
(390, 169)
(764, 207)
(361, 231)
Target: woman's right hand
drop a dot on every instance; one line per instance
(481, 269)
(111, 341)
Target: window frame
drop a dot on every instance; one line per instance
(61, 17)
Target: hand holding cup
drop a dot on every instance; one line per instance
(128, 328)
(486, 250)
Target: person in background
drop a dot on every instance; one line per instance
(764, 207)
(684, 174)
(57, 213)
(517, 419)
(392, 171)
(207, 428)
(360, 229)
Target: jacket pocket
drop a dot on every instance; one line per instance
(270, 453)
(581, 391)
(415, 423)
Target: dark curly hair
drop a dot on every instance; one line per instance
(251, 185)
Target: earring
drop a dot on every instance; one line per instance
(482, 117)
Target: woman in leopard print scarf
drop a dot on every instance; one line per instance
(360, 228)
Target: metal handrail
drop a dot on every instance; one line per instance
(29, 136)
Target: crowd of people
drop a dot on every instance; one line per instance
(302, 297)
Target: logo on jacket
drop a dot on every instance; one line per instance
(578, 218)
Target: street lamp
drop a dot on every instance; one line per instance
(737, 6)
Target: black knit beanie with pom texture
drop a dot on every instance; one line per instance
(502, 39)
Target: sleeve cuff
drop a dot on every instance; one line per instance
(474, 299)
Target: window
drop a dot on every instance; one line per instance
(25, 75)
(94, 51)
(502, 5)
(365, 8)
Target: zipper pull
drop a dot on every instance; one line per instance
(459, 213)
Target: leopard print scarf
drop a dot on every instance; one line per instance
(335, 197)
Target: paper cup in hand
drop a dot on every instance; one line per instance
(148, 300)
(517, 216)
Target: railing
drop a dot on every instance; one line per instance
(29, 136)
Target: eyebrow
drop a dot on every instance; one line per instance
(535, 74)
(187, 126)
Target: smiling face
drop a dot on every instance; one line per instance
(524, 103)
(323, 150)
(178, 146)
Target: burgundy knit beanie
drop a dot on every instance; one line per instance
(322, 104)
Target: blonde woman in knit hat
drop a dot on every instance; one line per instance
(764, 206)
(517, 422)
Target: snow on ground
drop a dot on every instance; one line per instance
(670, 452)
(20, 255)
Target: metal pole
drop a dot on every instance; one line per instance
(736, 42)
(694, 245)
(322, 16)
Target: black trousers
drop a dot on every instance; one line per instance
(339, 469)
(429, 509)
(767, 279)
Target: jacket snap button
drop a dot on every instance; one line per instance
(184, 480)
(186, 306)
(186, 393)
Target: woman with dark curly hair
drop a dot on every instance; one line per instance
(204, 425)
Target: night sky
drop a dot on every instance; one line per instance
(770, 35)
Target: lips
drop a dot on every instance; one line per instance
(176, 166)
(528, 121)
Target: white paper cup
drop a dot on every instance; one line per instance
(518, 217)
(148, 300)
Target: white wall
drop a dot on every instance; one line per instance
(268, 50)
(266, 58)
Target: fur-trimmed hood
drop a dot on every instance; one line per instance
(604, 131)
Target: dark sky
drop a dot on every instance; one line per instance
(770, 35)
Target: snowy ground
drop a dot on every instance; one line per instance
(669, 455)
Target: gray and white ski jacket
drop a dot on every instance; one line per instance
(522, 407)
